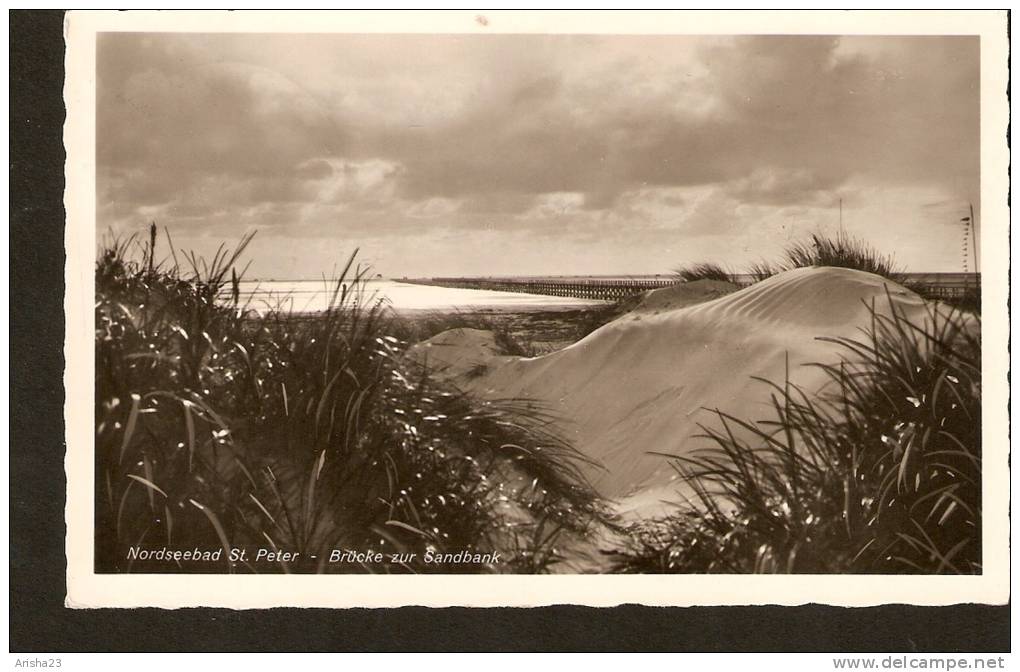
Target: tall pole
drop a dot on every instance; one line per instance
(841, 216)
(974, 240)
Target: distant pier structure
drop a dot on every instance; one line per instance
(601, 289)
(929, 285)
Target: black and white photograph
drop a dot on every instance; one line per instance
(497, 300)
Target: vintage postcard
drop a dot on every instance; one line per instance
(509, 308)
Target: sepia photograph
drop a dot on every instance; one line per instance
(491, 298)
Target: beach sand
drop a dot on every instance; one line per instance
(640, 385)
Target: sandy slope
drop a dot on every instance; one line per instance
(641, 383)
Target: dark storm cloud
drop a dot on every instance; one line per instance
(172, 121)
(791, 105)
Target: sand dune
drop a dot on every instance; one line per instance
(641, 383)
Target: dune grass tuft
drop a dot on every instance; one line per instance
(841, 251)
(763, 270)
(703, 271)
(881, 475)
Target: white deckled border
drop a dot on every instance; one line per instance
(87, 589)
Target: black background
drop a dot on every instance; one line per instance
(40, 623)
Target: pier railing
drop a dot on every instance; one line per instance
(929, 285)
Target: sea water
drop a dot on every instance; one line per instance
(310, 296)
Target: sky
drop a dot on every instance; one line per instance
(451, 155)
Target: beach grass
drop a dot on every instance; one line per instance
(220, 427)
(841, 251)
(763, 270)
(846, 251)
(703, 271)
(880, 475)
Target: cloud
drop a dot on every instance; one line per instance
(172, 126)
(780, 187)
(571, 138)
(795, 106)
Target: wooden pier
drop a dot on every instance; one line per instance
(578, 288)
(929, 285)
